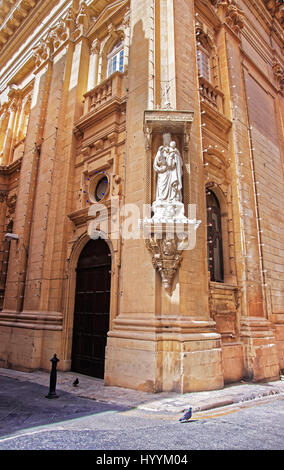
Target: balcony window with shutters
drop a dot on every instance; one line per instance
(203, 64)
(116, 60)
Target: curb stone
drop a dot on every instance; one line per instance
(94, 389)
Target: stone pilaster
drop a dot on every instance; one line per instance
(162, 340)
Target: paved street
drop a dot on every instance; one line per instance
(30, 421)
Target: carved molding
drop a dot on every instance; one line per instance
(11, 203)
(34, 320)
(233, 15)
(116, 185)
(204, 37)
(3, 196)
(276, 9)
(12, 15)
(229, 12)
(70, 27)
(95, 47)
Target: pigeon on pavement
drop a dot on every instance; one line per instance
(75, 383)
(186, 416)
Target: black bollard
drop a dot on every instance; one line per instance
(53, 377)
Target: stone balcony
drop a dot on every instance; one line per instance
(110, 90)
(103, 114)
(211, 94)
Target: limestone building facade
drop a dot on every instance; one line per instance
(90, 92)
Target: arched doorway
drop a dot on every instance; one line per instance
(92, 305)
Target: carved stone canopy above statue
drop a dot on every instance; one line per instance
(162, 121)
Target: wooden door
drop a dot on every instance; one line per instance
(92, 303)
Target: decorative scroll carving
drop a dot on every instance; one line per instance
(203, 37)
(276, 9)
(70, 27)
(95, 47)
(11, 203)
(3, 196)
(165, 258)
(233, 15)
(278, 73)
(116, 185)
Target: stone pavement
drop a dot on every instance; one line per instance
(171, 402)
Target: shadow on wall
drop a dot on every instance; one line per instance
(139, 80)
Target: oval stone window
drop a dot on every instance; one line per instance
(101, 188)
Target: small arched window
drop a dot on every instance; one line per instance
(214, 238)
(115, 59)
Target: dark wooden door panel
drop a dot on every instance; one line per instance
(91, 315)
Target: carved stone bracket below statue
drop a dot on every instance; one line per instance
(166, 243)
(166, 257)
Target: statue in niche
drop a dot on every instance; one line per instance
(168, 166)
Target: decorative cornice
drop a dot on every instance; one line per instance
(14, 99)
(32, 320)
(215, 118)
(276, 9)
(12, 15)
(70, 27)
(231, 13)
(11, 168)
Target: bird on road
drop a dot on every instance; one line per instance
(186, 416)
(75, 383)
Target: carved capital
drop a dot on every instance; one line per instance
(52, 41)
(232, 14)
